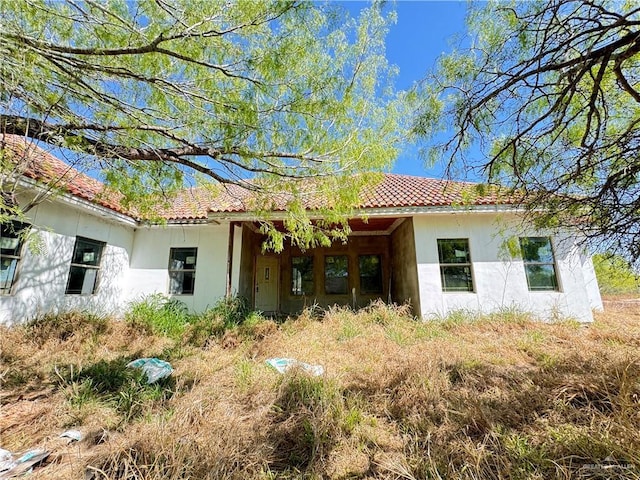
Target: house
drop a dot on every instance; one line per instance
(416, 244)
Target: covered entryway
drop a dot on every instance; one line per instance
(377, 262)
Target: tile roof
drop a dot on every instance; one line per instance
(409, 191)
(36, 163)
(394, 191)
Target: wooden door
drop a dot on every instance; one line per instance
(266, 284)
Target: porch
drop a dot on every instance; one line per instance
(377, 262)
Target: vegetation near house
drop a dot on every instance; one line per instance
(615, 275)
(548, 91)
(155, 95)
(463, 397)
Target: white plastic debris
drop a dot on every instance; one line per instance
(284, 364)
(153, 368)
(25, 463)
(6, 460)
(72, 435)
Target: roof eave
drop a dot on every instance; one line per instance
(381, 211)
(78, 202)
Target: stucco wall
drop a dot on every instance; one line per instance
(42, 276)
(150, 260)
(404, 276)
(135, 263)
(499, 282)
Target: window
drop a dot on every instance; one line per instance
(85, 265)
(370, 273)
(182, 270)
(455, 265)
(11, 240)
(301, 275)
(539, 263)
(336, 274)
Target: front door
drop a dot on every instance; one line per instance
(266, 285)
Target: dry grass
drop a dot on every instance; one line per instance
(497, 397)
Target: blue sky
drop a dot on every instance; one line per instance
(424, 31)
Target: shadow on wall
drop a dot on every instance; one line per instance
(42, 280)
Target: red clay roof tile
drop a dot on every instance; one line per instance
(394, 191)
(36, 163)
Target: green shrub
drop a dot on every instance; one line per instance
(228, 313)
(232, 310)
(615, 275)
(159, 315)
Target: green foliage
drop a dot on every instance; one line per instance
(113, 384)
(184, 93)
(160, 315)
(615, 275)
(546, 92)
(509, 249)
(233, 310)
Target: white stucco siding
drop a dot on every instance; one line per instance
(149, 272)
(42, 273)
(499, 283)
(591, 282)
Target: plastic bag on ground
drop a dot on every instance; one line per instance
(154, 368)
(72, 435)
(284, 364)
(25, 463)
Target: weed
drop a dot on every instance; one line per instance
(348, 330)
(111, 383)
(232, 310)
(467, 397)
(397, 336)
(308, 411)
(244, 374)
(61, 327)
(386, 313)
(456, 318)
(160, 315)
(511, 314)
(351, 419)
(428, 330)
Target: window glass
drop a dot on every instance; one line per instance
(370, 273)
(455, 265)
(87, 252)
(336, 274)
(11, 240)
(85, 266)
(302, 275)
(539, 263)
(455, 250)
(182, 270)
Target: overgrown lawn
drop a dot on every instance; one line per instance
(461, 397)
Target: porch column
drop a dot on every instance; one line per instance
(230, 257)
